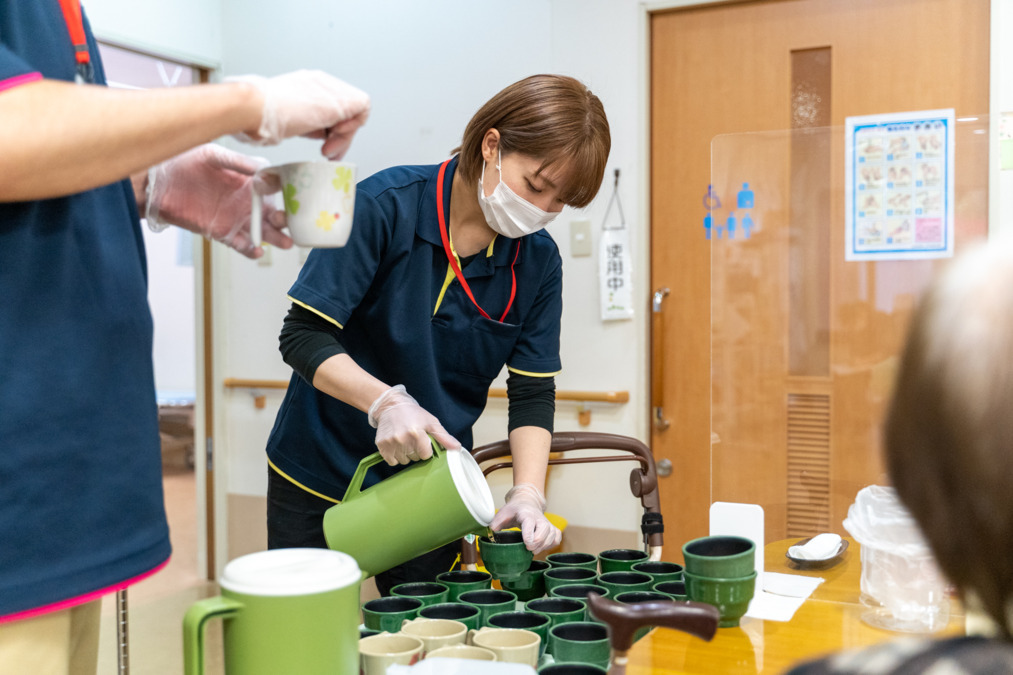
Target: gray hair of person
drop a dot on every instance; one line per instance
(949, 429)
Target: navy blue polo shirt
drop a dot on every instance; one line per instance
(386, 288)
(81, 508)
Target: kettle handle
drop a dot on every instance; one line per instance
(355, 485)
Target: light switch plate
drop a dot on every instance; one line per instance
(580, 238)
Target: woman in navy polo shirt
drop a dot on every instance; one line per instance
(447, 277)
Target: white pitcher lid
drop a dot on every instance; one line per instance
(290, 571)
(471, 485)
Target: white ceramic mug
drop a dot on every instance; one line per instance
(435, 633)
(512, 645)
(319, 200)
(379, 652)
(469, 652)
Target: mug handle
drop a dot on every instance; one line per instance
(355, 485)
(193, 629)
(256, 208)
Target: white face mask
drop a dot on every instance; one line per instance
(506, 212)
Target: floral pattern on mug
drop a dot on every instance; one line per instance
(343, 180)
(325, 221)
(291, 203)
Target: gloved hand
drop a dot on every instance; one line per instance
(308, 103)
(525, 507)
(208, 190)
(401, 426)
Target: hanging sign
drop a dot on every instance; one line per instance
(615, 269)
(899, 186)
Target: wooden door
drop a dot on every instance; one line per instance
(773, 356)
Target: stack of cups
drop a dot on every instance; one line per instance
(721, 571)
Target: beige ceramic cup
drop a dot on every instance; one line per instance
(379, 652)
(435, 633)
(463, 652)
(512, 645)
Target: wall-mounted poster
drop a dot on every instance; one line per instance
(899, 186)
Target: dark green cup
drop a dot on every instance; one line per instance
(559, 610)
(490, 602)
(658, 570)
(581, 642)
(620, 559)
(624, 582)
(635, 597)
(561, 576)
(572, 669)
(730, 596)
(579, 593)
(387, 614)
(429, 592)
(720, 557)
(366, 632)
(674, 589)
(536, 622)
(462, 581)
(573, 560)
(529, 585)
(469, 615)
(507, 557)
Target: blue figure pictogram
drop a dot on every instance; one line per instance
(730, 225)
(711, 200)
(747, 225)
(708, 224)
(745, 197)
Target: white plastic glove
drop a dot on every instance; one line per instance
(308, 103)
(208, 190)
(401, 426)
(525, 507)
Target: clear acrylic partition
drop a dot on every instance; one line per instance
(804, 342)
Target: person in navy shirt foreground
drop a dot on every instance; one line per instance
(448, 275)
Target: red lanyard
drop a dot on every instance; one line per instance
(453, 259)
(75, 27)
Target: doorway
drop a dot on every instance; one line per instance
(773, 355)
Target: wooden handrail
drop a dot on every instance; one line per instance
(586, 396)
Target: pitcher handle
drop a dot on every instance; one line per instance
(355, 485)
(193, 629)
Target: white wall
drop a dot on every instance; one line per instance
(1000, 183)
(186, 30)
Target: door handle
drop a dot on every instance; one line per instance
(658, 361)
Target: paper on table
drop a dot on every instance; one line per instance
(781, 596)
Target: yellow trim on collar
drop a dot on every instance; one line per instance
(488, 251)
(300, 485)
(529, 374)
(446, 284)
(315, 311)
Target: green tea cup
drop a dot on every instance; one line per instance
(535, 622)
(490, 602)
(462, 581)
(720, 556)
(283, 610)
(620, 559)
(507, 557)
(634, 597)
(387, 614)
(469, 615)
(581, 642)
(562, 576)
(579, 592)
(429, 592)
(659, 570)
(571, 669)
(530, 584)
(730, 596)
(675, 589)
(559, 610)
(570, 559)
(624, 582)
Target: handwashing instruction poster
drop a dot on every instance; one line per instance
(899, 186)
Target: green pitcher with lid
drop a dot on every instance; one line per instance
(428, 504)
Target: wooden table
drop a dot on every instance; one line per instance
(829, 620)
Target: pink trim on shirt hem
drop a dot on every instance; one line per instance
(81, 599)
(12, 82)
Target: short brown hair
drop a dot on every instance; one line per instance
(949, 431)
(554, 118)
